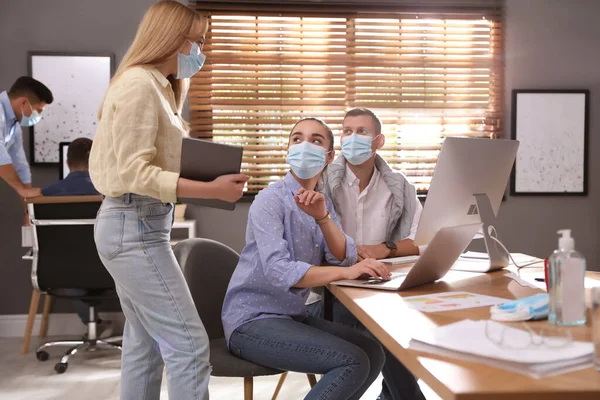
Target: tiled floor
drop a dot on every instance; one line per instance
(95, 376)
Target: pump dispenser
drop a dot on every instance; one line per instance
(566, 283)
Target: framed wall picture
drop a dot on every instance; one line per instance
(552, 128)
(78, 82)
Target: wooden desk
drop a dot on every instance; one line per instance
(394, 324)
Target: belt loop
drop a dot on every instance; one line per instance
(127, 198)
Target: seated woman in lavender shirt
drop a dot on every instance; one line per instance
(291, 230)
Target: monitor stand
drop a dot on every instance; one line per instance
(498, 256)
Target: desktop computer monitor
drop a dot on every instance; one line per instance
(63, 168)
(468, 183)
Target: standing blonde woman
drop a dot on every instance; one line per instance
(134, 163)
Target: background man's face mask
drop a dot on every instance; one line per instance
(33, 118)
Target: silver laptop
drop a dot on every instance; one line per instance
(204, 161)
(437, 259)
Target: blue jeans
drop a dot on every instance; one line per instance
(162, 324)
(398, 382)
(348, 360)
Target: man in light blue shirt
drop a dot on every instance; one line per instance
(22, 105)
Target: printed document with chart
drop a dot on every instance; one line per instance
(450, 301)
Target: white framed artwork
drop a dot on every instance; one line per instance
(552, 128)
(78, 82)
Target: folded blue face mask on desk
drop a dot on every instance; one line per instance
(532, 307)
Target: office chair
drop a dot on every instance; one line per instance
(65, 258)
(208, 267)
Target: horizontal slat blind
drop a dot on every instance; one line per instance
(426, 78)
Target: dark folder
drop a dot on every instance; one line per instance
(203, 160)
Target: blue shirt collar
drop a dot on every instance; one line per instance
(291, 182)
(79, 173)
(11, 118)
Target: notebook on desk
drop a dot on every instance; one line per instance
(472, 261)
(400, 260)
(437, 259)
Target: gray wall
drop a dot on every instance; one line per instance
(553, 44)
(549, 44)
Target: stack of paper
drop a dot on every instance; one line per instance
(520, 350)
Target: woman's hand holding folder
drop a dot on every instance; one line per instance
(226, 187)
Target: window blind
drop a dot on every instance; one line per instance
(428, 76)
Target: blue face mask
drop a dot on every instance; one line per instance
(357, 148)
(33, 119)
(532, 307)
(306, 159)
(188, 66)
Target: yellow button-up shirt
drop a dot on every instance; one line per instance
(137, 148)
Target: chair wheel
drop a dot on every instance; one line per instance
(41, 355)
(60, 368)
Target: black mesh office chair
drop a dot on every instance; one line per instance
(208, 266)
(65, 257)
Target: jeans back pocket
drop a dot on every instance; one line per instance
(108, 234)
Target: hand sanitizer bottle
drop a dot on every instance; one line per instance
(566, 276)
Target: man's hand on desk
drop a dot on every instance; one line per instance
(405, 248)
(27, 192)
(377, 251)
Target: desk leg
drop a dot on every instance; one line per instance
(327, 305)
(33, 306)
(45, 314)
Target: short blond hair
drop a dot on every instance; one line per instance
(356, 112)
(163, 30)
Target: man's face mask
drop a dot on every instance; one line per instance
(357, 149)
(33, 118)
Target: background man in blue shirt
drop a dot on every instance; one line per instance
(22, 105)
(78, 182)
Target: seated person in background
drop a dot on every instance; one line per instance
(78, 183)
(379, 209)
(291, 230)
(377, 205)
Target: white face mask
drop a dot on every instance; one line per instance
(306, 159)
(357, 149)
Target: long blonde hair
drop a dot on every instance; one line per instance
(163, 30)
